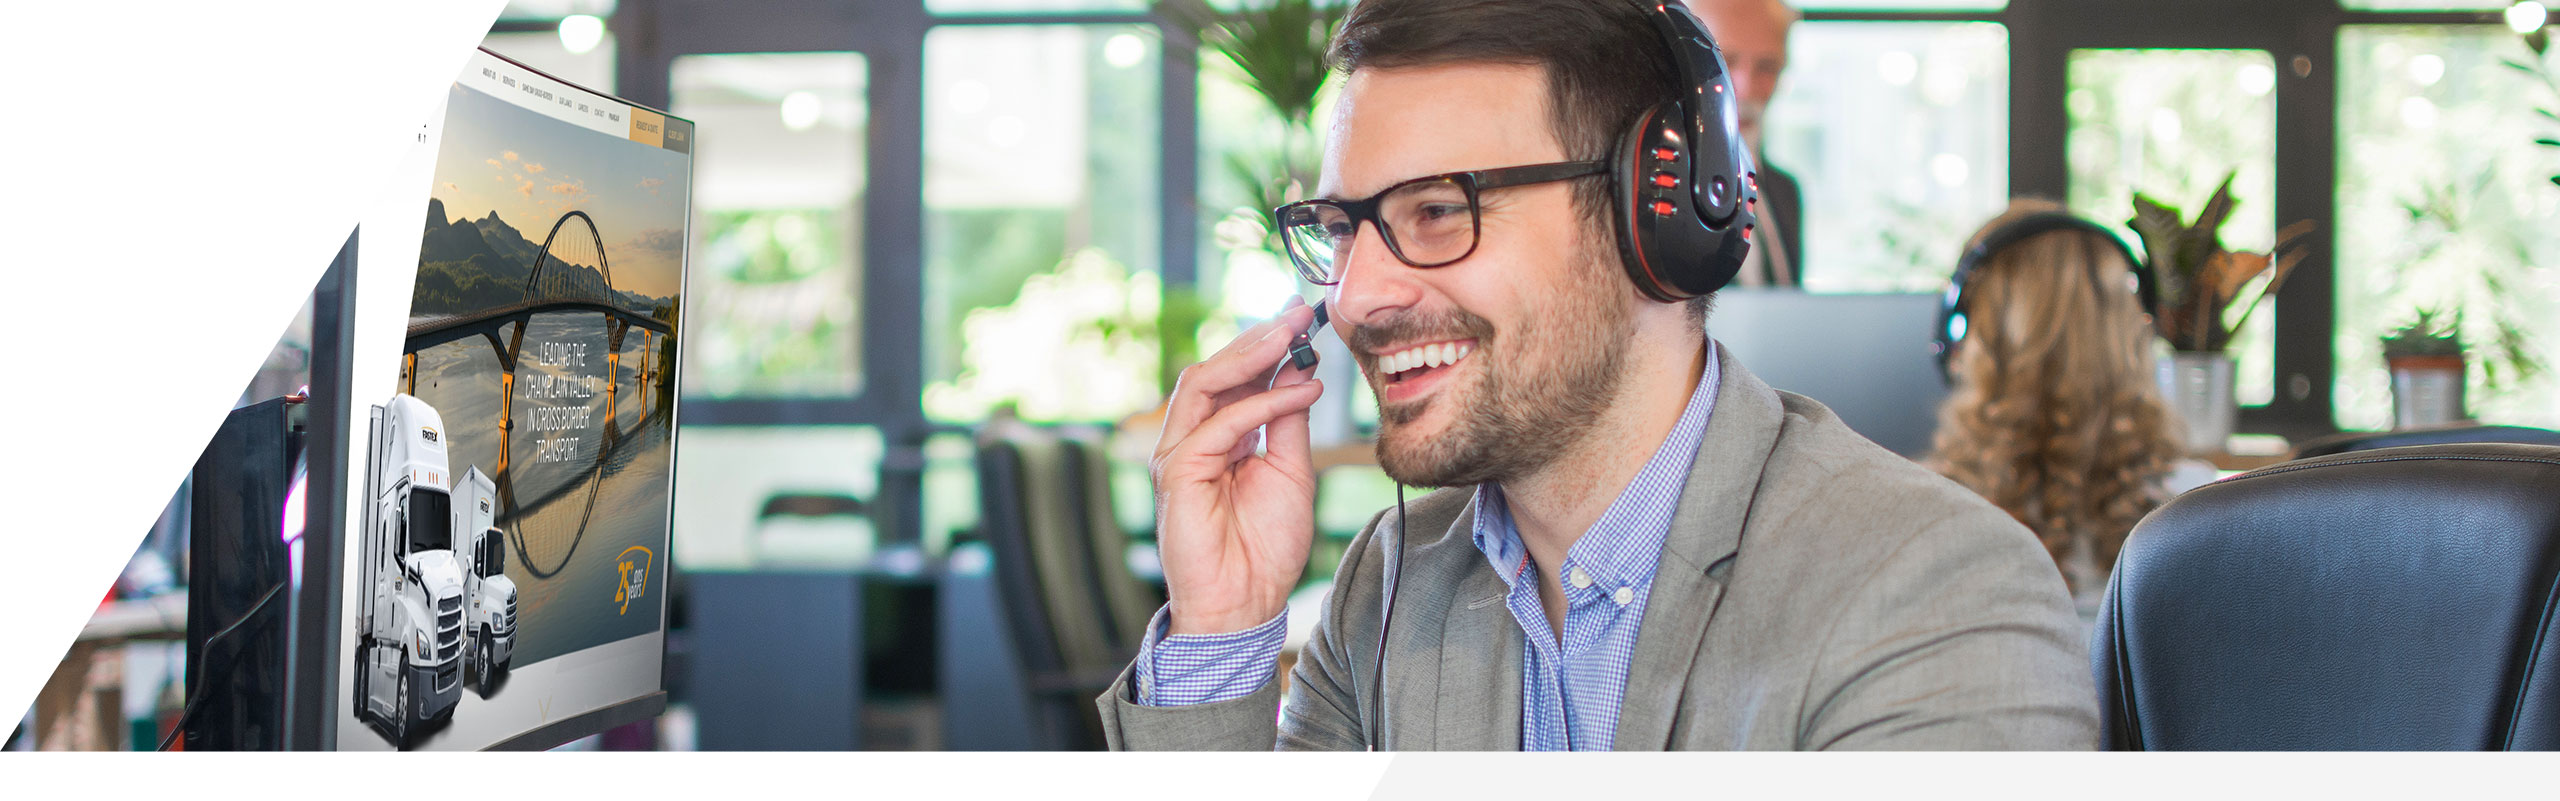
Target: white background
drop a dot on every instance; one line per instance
(179, 174)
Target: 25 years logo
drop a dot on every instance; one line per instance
(634, 582)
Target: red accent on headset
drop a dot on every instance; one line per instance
(1635, 238)
(1666, 154)
(1665, 180)
(1664, 208)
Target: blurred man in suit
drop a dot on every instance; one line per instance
(1753, 35)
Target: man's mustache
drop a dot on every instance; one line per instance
(1371, 339)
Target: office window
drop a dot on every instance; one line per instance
(1899, 5)
(1243, 273)
(2425, 5)
(1041, 232)
(2444, 201)
(777, 231)
(542, 51)
(2171, 124)
(950, 490)
(755, 497)
(962, 7)
(1898, 135)
(555, 9)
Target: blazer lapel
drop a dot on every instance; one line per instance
(1479, 668)
(1465, 697)
(1706, 529)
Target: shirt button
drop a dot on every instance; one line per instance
(1581, 580)
(1626, 595)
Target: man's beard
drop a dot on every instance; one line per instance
(1569, 356)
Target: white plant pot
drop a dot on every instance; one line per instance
(2427, 391)
(2197, 387)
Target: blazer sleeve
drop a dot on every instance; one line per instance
(1320, 711)
(1962, 638)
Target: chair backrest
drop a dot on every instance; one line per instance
(2431, 435)
(1002, 512)
(2388, 599)
(1129, 603)
(1033, 520)
(1045, 530)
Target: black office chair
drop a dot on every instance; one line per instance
(2397, 599)
(1032, 516)
(2431, 435)
(1128, 603)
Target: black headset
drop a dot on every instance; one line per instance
(1953, 322)
(1683, 178)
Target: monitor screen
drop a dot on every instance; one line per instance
(1866, 357)
(506, 585)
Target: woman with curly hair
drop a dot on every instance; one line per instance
(2053, 413)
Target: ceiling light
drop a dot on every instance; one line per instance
(581, 32)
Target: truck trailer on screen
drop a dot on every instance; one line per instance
(410, 627)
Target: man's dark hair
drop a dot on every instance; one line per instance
(1604, 62)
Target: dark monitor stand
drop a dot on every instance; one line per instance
(239, 596)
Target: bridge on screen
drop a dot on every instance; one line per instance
(558, 284)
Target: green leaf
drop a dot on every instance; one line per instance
(2547, 142)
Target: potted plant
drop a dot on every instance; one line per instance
(1278, 48)
(2427, 369)
(2198, 280)
(2539, 41)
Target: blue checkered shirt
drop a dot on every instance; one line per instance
(1571, 685)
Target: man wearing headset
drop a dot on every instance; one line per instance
(1637, 545)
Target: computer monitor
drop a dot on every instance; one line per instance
(1865, 356)
(505, 587)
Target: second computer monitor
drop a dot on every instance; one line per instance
(1865, 356)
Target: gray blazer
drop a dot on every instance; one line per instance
(1816, 591)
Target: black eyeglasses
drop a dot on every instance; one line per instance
(1426, 222)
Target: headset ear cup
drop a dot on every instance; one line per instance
(1626, 171)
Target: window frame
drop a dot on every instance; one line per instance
(890, 34)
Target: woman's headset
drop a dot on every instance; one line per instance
(1682, 175)
(1953, 319)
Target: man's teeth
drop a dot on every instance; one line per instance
(1432, 355)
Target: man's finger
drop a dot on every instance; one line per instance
(1286, 438)
(1241, 364)
(1217, 436)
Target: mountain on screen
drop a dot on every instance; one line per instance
(468, 265)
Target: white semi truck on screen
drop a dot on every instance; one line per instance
(409, 637)
(489, 597)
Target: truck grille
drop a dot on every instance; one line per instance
(447, 675)
(511, 619)
(448, 627)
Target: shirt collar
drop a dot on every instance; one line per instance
(1622, 548)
